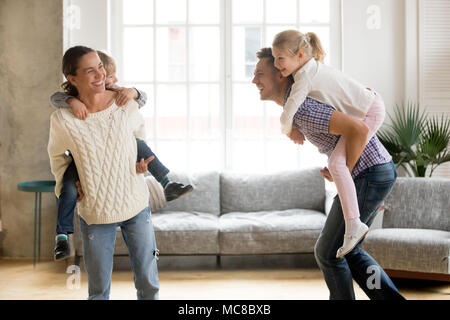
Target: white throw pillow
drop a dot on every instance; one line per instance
(157, 199)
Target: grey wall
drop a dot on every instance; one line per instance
(31, 44)
(375, 54)
(87, 23)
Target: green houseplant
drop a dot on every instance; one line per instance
(416, 141)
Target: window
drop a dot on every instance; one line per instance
(195, 60)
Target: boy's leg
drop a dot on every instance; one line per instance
(67, 201)
(66, 205)
(172, 190)
(155, 167)
(139, 236)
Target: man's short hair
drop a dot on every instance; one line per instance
(264, 53)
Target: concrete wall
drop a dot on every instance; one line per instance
(374, 46)
(31, 44)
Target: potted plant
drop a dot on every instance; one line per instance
(418, 143)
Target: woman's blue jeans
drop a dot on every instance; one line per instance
(98, 250)
(373, 185)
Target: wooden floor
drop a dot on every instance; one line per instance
(49, 280)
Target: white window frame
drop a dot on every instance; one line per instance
(116, 30)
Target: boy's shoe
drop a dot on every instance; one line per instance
(175, 190)
(350, 241)
(62, 249)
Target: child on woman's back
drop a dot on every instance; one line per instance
(301, 55)
(69, 195)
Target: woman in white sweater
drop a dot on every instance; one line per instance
(104, 149)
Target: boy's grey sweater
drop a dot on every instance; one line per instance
(59, 99)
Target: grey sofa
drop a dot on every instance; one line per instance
(232, 214)
(284, 212)
(414, 241)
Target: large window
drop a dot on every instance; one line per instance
(195, 60)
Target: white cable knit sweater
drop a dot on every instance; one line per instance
(104, 149)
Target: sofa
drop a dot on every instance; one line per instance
(414, 241)
(237, 214)
(284, 212)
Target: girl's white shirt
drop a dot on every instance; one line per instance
(329, 86)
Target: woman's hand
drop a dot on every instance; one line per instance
(125, 95)
(326, 174)
(142, 166)
(296, 136)
(80, 191)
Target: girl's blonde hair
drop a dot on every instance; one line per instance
(108, 62)
(293, 41)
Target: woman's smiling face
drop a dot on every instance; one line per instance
(90, 74)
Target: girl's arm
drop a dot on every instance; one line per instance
(299, 92)
(56, 149)
(355, 132)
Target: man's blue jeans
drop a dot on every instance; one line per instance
(98, 250)
(372, 186)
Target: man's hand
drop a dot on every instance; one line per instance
(142, 166)
(326, 174)
(296, 136)
(78, 108)
(80, 191)
(125, 95)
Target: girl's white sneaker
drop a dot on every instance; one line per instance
(350, 241)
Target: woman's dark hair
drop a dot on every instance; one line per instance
(70, 66)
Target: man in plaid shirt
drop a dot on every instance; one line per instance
(374, 176)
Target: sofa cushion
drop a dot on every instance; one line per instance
(270, 232)
(422, 203)
(416, 250)
(186, 232)
(204, 198)
(299, 189)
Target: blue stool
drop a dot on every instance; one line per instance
(37, 187)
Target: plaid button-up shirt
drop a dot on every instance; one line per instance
(313, 120)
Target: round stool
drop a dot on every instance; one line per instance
(37, 187)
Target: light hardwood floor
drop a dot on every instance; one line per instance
(48, 280)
